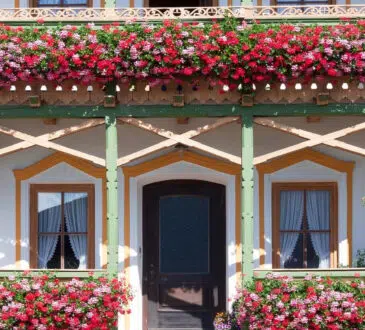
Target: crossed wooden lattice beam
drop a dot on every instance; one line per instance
(45, 140)
(313, 139)
(186, 138)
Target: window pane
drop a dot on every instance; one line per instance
(49, 212)
(49, 252)
(291, 250)
(318, 209)
(76, 207)
(75, 2)
(49, 2)
(320, 243)
(291, 209)
(76, 252)
(184, 234)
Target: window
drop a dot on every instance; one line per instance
(303, 2)
(180, 3)
(62, 234)
(61, 3)
(304, 225)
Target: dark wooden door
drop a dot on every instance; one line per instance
(184, 254)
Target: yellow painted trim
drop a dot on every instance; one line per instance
(165, 160)
(294, 158)
(43, 165)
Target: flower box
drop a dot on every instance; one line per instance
(247, 100)
(34, 101)
(109, 101)
(178, 100)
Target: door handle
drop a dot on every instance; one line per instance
(163, 278)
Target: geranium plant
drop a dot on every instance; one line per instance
(230, 53)
(279, 302)
(45, 302)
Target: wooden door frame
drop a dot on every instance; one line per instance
(223, 282)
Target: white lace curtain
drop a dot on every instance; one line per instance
(49, 221)
(76, 221)
(291, 216)
(318, 215)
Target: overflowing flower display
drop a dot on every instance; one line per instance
(279, 302)
(44, 302)
(229, 52)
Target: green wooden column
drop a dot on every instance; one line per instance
(112, 193)
(247, 197)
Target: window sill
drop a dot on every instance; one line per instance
(60, 273)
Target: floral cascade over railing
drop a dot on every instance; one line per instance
(43, 302)
(278, 302)
(230, 53)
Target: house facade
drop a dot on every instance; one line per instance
(188, 187)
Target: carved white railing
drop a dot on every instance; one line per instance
(183, 13)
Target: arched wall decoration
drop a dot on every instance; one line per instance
(292, 159)
(43, 165)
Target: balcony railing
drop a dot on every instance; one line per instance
(182, 13)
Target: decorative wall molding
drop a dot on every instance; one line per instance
(337, 90)
(182, 13)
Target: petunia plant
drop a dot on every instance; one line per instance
(44, 302)
(279, 302)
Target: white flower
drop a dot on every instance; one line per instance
(225, 88)
(147, 88)
(132, 88)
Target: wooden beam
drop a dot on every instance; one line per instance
(50, 145)
(189, 110)
(169, 143)
(52, 136)
(179, 138)
(315, 139)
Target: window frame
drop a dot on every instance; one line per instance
(277, 187)
(275, 3)
(33, 230)
(34, 4)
